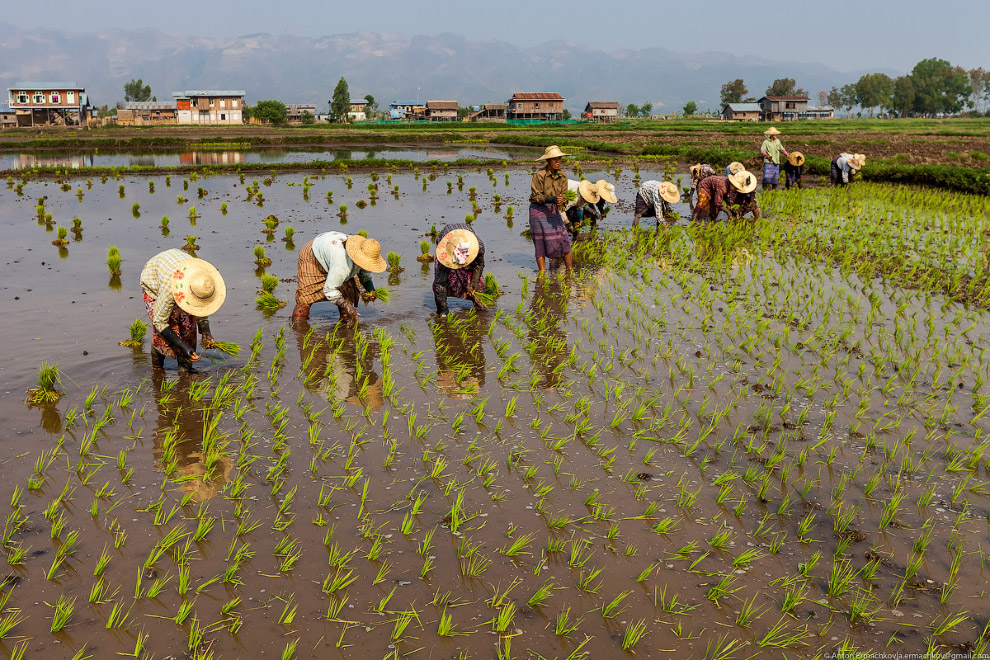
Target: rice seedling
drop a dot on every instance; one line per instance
(138, 330)
(48, 391)
(393, 260)
(114, 260)
(190, 245)
(289, 233)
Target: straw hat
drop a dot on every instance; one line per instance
(857, 161)
(607, 191)
(743, 181)
(366, 253)
(736, 166)
(795, 158)
(446, 249)
(589, 191)
(669, 192)
(771, 131)
(694, 169)
(197, 287)
(553, 151)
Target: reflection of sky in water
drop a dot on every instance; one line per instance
(14, 161)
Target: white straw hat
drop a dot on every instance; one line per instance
(743, 181)
(607, 191)
(453, 239)
(197, 287)
(553, 151)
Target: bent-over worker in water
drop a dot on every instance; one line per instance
(546, 200)
(733, 167)
(584, 204)
(180, 292)
(845, 167)
(459, 266)
(653, 200)
(699, 173)
(771, 149)
(794, 169)
(331, 267)
(736, 195)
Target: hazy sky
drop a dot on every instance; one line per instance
(869, 34)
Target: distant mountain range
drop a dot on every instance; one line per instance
(444, 66)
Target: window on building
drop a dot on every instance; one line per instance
(22, 97)
(39, 97)
(56, 98)
(790, 105)
(70, 98)
(223, 117)
(223, 103)
(536, 106)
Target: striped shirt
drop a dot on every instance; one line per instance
(156, 281)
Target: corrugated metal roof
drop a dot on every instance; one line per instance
(786, 98)
(400, 102)
(537, 96)
(189, 93)
(358, 102)
(603, 105)
(44, 85)
(5, 107)
(148, 105)
(744, 107)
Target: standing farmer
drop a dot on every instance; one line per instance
(771, 149)
(546, 199)
(330, 268)
(845, 167)
(654, 199)
(180, 292)
(460, 265)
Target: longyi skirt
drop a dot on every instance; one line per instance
(550, 237)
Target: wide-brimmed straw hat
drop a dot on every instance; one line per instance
(736, 166)
(588, 191)
(795, 158)
(366, 253)
(743, 181)
(669, 192)
(607, 191)
(553, 151)
(458, 242)
(694, 169)
(857, 161)
(197, 287)
(771, 131)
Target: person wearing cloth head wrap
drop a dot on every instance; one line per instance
(734, 194)
(330, 267)
(180, 292)
(771, 149)
(699, 173)
(654, 200)
(459, 266)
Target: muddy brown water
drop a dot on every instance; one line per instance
(329, 438)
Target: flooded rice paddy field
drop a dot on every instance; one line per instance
(711, 441)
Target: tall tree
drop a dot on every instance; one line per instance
(874, 90)
(939, 86)
(646, 109)
(979, 80)
(271, 111)
(733, 91)
(372, 104)
(847, 96)
(632, 110)
(341, 101)
(835, 98)
(136, 90)
(903, 96)
(690, 108)
(785, 87)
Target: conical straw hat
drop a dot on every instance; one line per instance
(771, 131)
(669, 192)
(795, 158)
(743, 181)
(589, 192)
(553, 151)
(366, 253)
(453, 238)
(607, 191)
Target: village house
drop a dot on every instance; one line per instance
(741, 111)
(8, 119)
(602, 112)
(441, 110)
(358, 110)
(137, 113)
(296, 110)
(407, 110)
(49, 104)
(539, 106)
(783, 108)
(820, 112)
(488, 112)
(209, 106)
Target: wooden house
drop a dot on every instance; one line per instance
(602, 112)
(49, 104)
(409, 110)
(489, 112)
(358, 110)
(8, 118)
(741, 111)
(207, 106)
(783, 108)
(296, 110)
(820, 112)
(136, 113)
(441, 110)
(538, 106)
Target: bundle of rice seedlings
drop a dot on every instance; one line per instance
(48, 381)
(191, 243)
(259, 257)
(268, 283)
(267, 302)
(228, 347)
(570, 196)
(77, 227)
(393, 260)
(360, 203)
(491, 285)
(61, 241)
(114, 260)
(382, 294)
(136, 210)
(269, 226)
(137, 330)
(424, 249)
(289, 233)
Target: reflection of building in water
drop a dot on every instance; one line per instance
(339, 363)
(179, 438)
(460, 354)
(211, 158)
(27, 161)
(548, 309)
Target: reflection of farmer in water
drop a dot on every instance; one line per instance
(339, 365)
(548, 307)
(178, 439)
(460, 355)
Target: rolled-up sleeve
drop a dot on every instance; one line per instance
(364, 277)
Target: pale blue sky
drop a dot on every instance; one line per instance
(870, 34)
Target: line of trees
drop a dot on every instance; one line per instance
(735, 91)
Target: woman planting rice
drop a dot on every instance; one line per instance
(771, 149)
(794, 169)
(654, 199)
(699, 173)
(583, 199)
(546, 198)
(330, 268)
(180, 292)
(845, 167)
(459, 266)
(733, 194)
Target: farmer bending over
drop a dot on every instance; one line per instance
(733, 194)
(330, 268)
(459, 266)
(654, 199)
(845, 167)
